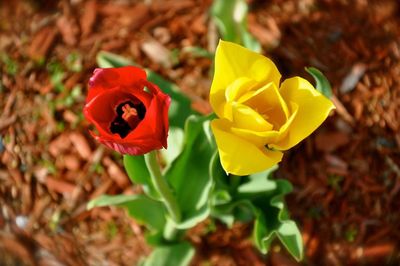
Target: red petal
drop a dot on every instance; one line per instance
(138, 147)
(111, 86)
(101, 109)
(163, 102)
(155, 123)
(152, 87)
(108, 78)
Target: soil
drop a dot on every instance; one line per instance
(346, 176)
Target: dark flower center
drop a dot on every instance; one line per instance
(129, 115)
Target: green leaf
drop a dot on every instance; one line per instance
(145, 210)
(180, 108)
(287, 232)
(257, 186)
(231, 20)
(268, 174)
(227, 218)
(222, 12)
(221, 197)
(198, 52)
(261, 198)
(189, 174)
(259, 182)
(175, 145)
(225, 203)
(10, 66)
(240, 210)
(273, 221)
(220, 177)
(155, 238)
(138, 173)
(174, 255)
(250, 42)
(322, 83)
(221, 193)
(290, 236)
(106, 59)
(74, 62)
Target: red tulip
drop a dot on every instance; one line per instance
(130, 113)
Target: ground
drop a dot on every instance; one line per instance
(346, 176)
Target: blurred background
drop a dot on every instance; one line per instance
(346, 176)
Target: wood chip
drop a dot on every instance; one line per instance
(88, 18)
(40, 205)
(336, 162)
(267, 35)
(81, 145)
(41, 43)
(102, 189)
(116, 173)
(330, 141)
(341, 110)
(162, 34)
(59, 186)
(278, 259)
(157, 53)
(68, 30)
(351, 80)
(14, 252)
(61, 144)
(70, 116)
(381, 250)
(7, 121)
(71, 162)
(199, 24)
(137, 15)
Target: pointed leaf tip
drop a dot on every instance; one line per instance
(322, 83)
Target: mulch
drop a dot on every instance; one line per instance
(346, 176)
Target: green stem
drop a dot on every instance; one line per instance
(162, 187)
(170, 231)
(235, 181)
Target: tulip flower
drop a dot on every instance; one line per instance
(130, 113)
(259, 117)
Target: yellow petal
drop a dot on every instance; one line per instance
(233, 61)
(239, 156)
(313, 109)
(239, 87)
(245, 117)
(233, 91)
(269, 137)
(268, 102)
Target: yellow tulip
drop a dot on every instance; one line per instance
(259, 117)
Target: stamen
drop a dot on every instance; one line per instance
(130, 115)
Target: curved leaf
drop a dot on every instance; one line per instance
(149, 212)
(231, 20)
(273, 220)
(173, 255)
(138, 173)
(260, 198)
(175, 145)
(322, 83)
(180, 107)
(106, 59)
(188, 174)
